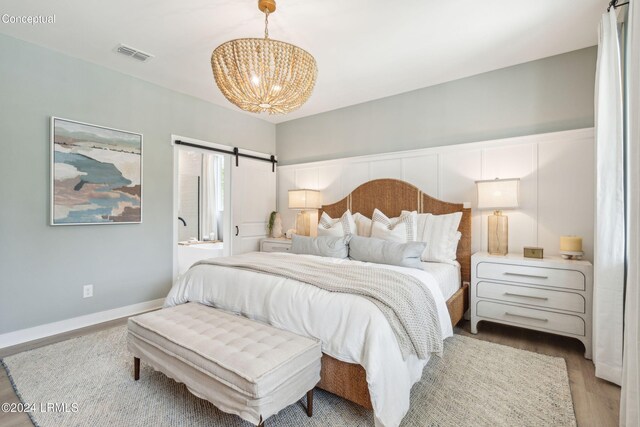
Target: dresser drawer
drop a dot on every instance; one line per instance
(564, 323)
(275, 247)
(557, 278)
(531, 296)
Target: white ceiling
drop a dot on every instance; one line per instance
(365, 49)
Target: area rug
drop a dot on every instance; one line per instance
(476, 383)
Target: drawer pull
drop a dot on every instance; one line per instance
(526, 296)
(525, 275)
(526, 317)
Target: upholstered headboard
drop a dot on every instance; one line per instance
(392, 196)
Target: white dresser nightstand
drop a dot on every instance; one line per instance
(550, 294)
(271, 244)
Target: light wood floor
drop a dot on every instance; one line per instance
(596, 402)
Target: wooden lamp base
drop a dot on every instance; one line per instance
(498, 234)
(307, 223)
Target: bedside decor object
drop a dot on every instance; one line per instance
(552, 295)
(272, 219)
(275, 225)
(531, 252)
(96, 174)
(498, 194)
(571, 247)
(308, 202)
(261, 74)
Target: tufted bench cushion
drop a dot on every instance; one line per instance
(251, 366)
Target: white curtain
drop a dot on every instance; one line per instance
(210, 178)
(608, 295)
(630, 399)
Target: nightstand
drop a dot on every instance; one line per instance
(550, 294)
(275, 245)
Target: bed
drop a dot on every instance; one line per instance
(392, 196)
(353, 331)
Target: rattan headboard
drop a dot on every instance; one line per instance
(392, 196)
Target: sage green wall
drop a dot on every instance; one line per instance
(547, 95)
(43, 268)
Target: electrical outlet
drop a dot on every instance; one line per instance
(87, 291)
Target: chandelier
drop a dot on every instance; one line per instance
(263, 74)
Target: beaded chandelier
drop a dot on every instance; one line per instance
(263, 74)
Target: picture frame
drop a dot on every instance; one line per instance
(96, 174)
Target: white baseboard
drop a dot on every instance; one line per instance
(42, 331)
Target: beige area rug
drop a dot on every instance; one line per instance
(476, 383)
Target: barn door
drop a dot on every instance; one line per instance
(253, 198)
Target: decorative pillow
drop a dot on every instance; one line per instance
(440, 233)
(328, 226)
(421, 222)
(380, 251)
(327, 246)
(363, 225)
(452, 250)
(401, 229)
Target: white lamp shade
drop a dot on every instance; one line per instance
(305, 199)
(499, 194)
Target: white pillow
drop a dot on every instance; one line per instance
(401, 229)
(328, 226)
(440, 233)
(363, 224)
(451, 254)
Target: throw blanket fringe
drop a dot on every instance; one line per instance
(405, 301)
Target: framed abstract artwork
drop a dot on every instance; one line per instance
(96, 174)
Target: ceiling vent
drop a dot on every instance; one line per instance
(133, 53)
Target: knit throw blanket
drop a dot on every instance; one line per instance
(405, 301)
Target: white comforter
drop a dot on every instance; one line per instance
(351, 328)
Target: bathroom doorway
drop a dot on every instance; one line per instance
(210, 221)
(200, 199)
(200, 196)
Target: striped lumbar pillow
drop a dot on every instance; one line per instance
(344, 226)
(401, 229)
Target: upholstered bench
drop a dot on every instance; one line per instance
(242, 366)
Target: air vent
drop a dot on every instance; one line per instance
(140, 56)
(133, 53)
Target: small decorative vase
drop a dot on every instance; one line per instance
(276, 231)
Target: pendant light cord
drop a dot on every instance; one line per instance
(266, 23)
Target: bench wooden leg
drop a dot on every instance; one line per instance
(310, 403)
(136, 368)
(261, 422)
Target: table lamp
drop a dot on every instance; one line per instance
(498, 194)
(308, 202)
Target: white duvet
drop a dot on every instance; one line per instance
(351, 328)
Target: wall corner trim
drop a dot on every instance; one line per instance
(22, 336)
